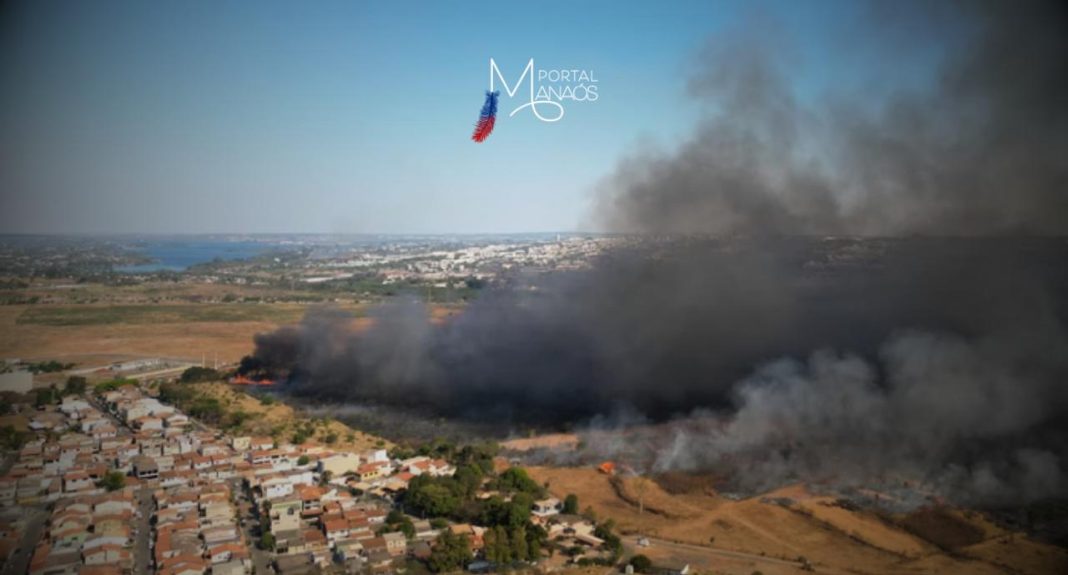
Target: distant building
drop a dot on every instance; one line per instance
(16, 381)
(137, 364)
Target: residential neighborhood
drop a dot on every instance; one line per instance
(115, 481)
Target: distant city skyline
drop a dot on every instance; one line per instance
(340, 117)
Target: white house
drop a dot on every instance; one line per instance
(547, 507)
(77, 481)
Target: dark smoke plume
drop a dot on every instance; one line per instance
(984, 151)
(939, 355)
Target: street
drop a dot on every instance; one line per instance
(19, 562)
(261, 559)
(142, 538)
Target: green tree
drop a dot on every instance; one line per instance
(612, 541)
(44, 396)
(451, 552)
(517, 479)
(489, 545)
(537, 538)
(502, 549)
(571, 504)
(469, 477)
(641, 563)
(11, 439)
(206, 409)
(479, 455)
(76, 385)
(407, 528)
(112, 481)
(197, 374)
(396, 521)
(51, 366)
(519, 510)
(267, 541)
(173, 393)
(432, 499)
(534, 548)
(520, 549)
(303, 460)
(237, 418)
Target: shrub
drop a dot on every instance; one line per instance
(571, 504)
(197, 374)
(113, 481)
(641, 563)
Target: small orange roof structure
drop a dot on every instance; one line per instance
(608, 468)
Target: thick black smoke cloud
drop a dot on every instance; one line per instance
(982, 151)
(786, 354)
(936, 359)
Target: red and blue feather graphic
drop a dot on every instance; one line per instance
(486, 118)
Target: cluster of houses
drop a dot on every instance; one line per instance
(89, 529)
(305, 494)
(76, 446)
(87, 534)
(320, 506)
(94, 531)
(315, 520)
(197, 530)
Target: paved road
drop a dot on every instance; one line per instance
(261, 560)
(142, 548)
(120, 426)
(19, 562)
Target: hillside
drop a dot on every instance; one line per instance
(770, 533)
(267, 417)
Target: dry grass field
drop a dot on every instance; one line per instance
(282, 420)
(546, 441)
(95, 334)
(71, 336)
(704, 529)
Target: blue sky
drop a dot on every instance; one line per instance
(351, 117)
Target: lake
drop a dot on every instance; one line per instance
(179, 255)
